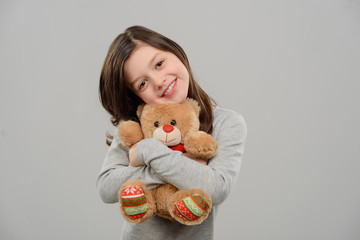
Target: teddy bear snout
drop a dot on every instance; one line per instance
(168, 128)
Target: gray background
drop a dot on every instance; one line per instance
(290, 67)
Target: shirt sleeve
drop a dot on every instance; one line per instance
(218, 177)
(116, 171)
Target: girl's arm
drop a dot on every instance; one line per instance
(221, 173)
(115, 171)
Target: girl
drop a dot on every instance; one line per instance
(143, 66)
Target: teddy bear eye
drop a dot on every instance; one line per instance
(156, 124)
(173, 122)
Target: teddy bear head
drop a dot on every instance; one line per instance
(169, 123)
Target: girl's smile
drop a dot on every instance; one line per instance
(170, 90)
(156, 76)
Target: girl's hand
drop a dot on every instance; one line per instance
(134, 162)
(202, 161)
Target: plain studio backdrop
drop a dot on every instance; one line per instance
(292, 68)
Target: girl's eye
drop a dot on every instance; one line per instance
(159, 64)
(142, 84)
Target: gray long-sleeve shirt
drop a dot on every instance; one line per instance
(163, 165)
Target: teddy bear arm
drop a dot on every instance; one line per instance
(130, 133)
(201, 145)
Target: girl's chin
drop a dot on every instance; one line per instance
(170, 100)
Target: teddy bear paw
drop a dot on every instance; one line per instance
(191, 208)
(134, 202)
(201, 145)
(130, 133)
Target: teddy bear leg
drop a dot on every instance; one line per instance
(162, 195)
(190, 207)
(136, 202)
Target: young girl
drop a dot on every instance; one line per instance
(143, 66)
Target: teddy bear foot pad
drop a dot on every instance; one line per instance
(191, 208)
(134, 202)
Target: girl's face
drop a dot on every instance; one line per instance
(156, 76)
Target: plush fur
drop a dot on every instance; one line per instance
(185, 118)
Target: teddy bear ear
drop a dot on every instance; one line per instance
(139, 110)
(194, 104)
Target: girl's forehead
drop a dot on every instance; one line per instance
(143, 53)
(140, 59)
(142, 50)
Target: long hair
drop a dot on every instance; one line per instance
(119, 101)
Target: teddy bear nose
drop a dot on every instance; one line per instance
(168, 128)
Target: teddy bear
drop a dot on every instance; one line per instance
(177, 126)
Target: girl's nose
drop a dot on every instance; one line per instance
(159, 82)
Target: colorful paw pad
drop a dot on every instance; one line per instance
(190, 208)
(134, 202)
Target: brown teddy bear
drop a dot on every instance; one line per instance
(177, 126)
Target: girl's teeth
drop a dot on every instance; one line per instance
(169, 89)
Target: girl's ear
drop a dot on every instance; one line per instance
(194, 104)
(139, 110)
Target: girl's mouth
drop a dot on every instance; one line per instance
(170, 89)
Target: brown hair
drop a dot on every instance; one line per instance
(119, 100)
